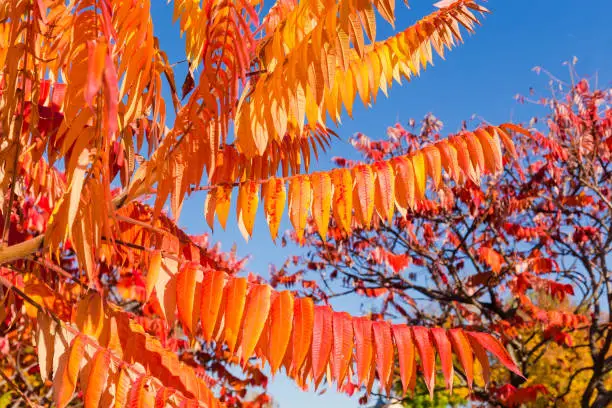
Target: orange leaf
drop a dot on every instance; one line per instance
(165, 288)
(321, 340)
(491, 151)
(66, 377)
(476, 153)
(494, 347)
(427, 354)
(364, 348)
(433, 164)
(218, 202)
(45, 343)
(463, 158)
(139, 397)
(96, 382)
(491, 257)
(448, 156)
(405, 351)
(122, 388)
(185, 294)
(363, 194)
(95, 69)
(247, 207)
(222, 203)
(300, 199)
(384, 198)
(255, 317)
(481, 356)
(463, 350)
(303, 328)
(343, 198)
(507, 140)
(162, 396)
(281, 324)
(210, 301)
(153, 272)
(235, 295)
(90, 315)
(274, 203)
(343, 346)
(404, 184)
(384, 352)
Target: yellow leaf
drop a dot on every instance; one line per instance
(418, 164)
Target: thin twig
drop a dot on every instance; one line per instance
(16, 389)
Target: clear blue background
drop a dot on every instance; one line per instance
(480, 77)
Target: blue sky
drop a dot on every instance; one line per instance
(480, 77)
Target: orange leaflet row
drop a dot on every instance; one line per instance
(310, 340)
(365, 193)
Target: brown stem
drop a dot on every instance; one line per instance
(29, 247)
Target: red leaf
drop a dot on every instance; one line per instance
(405, 350)
(427, 354)
(343, 345)
(491, 257)
(111, 94)
(303, 328)
(363, 347)
(321, 340)
(384, 352)
(446, 357)
(493, 346)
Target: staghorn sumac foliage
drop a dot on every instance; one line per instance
(528, 256)
(105, 300)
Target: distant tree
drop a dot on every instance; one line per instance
(529, 256)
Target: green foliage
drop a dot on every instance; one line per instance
(442, 398)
